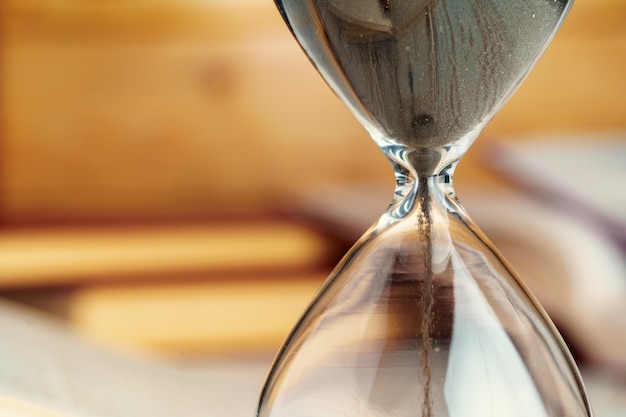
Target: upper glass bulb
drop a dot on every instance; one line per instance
(424, 74)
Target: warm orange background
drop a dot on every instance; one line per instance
(183, 111)
(169, 109)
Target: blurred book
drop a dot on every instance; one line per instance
(576, 272)
(582, 175)
(576, 186)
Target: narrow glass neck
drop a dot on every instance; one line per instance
(420, 194)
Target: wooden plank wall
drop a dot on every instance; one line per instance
(169, 108)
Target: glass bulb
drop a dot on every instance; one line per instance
(423, 318)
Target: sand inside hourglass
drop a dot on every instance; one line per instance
(426, 73)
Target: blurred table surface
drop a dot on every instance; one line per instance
(47, 367)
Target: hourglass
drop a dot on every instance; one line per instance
(423, 317)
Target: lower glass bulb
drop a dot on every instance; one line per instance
(423, 318)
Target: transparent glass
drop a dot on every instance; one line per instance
(423, 317)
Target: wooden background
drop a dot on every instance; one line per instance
(174, 109)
